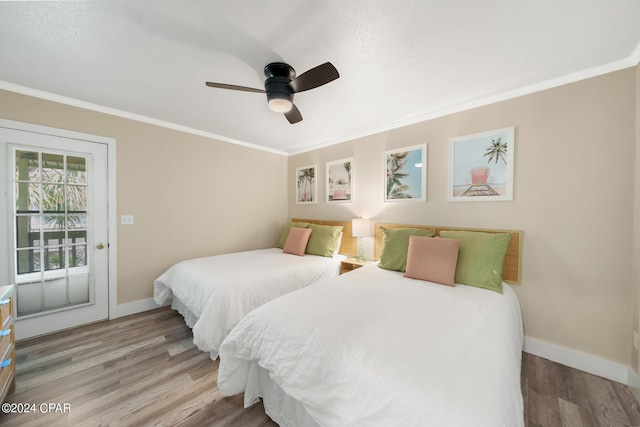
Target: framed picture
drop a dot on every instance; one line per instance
(306, 188)
(340, 181)
(481, 166)
(406, 174)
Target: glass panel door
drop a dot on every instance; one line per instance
(52, 267)
(54, 226)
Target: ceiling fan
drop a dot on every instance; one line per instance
(282, 83)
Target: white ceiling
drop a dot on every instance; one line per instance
(399, 61)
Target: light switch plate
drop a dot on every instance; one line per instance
(126, 219)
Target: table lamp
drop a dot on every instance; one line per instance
(360, 228)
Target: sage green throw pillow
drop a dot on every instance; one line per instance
(480, 258)
(395, 244)
(285, 231)
(324, 239)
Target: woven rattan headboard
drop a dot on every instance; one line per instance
(511, 272)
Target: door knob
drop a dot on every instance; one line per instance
(100, 246)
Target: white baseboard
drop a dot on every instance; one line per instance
(136, 307)
(585, 362)
(634, 383)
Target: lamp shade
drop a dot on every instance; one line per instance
(361, 227)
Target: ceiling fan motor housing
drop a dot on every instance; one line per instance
(278, 87)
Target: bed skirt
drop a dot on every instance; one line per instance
(279, 406)
(189, 318)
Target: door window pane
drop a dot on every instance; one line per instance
(79, 289)
(27, 197)
(51, 231)
(76, 198)
(78, 256)
(52, 168)
(55, 257)
(27, 166)
(55, 293)
(53, 197)
(29, 298)
(53, 225)
(28, 261)
(27, 231)
(77, 221)
(76, 170)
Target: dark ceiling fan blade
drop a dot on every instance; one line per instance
(293, 115)
(234, 87)
(318, 76)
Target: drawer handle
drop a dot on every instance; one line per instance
(5, 363)
(5, 332)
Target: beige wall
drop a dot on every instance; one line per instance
(190, 195)
(636, 221)
(573, 198)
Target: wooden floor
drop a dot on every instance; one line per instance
(556, 395)
(143, 370)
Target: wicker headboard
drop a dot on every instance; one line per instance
(511, 272)
(349, 245)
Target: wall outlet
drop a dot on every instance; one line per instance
(126, 219)
(636, 338)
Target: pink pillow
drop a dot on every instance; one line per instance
(432, 259)
(296, 242)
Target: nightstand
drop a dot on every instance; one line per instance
(7, 350)
(351, 264)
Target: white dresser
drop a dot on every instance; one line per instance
(7, 345)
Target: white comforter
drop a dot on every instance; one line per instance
(372, 348)
(219, 290)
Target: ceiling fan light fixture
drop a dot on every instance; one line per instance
(280, 105)
(281, 85)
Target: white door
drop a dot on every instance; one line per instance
(55, 215)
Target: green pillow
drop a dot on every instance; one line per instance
(323, 239)
(395, 244)
(480, 258)
(285, 232)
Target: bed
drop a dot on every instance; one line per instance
(214, 293)
(374, 347)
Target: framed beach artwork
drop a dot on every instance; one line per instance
(306, 188)
(481, 166)
(340, 181)
(406, 174)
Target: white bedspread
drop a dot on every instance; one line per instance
(372, 348)
(219, 290)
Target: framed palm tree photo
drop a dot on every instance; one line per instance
(406, 174)
(340, 181)
(481, 166)
(306, 187)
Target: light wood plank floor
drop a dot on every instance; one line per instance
(143, 370)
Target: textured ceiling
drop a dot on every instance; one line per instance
(399, 61)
